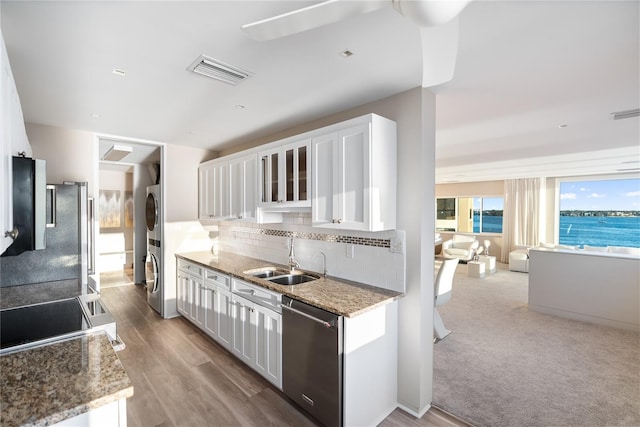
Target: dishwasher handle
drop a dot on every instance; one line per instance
(310, 317)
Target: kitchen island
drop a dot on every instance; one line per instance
(79, 381)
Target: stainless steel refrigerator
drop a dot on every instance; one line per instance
(68, 255)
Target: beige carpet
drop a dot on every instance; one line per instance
(504, 365)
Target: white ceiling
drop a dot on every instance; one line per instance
(524, 68)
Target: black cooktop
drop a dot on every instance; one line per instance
(24, 325)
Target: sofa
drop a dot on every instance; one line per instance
(461, 246)
(519, 257)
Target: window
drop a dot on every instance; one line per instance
(600, 213)
(469, 214)
(487, 214)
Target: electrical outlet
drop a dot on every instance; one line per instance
(397, 246)
(350, 251)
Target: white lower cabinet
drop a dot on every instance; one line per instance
(246, 321)
(190, 292)
(268, 344)
(217, 307)
(257, 335)
(242, 329)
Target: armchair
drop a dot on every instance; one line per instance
(519, 259)
(460, 246)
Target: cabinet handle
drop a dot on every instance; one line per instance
(13, 233)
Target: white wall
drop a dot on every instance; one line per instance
(72, 155)
(69, 154)
(471, 189)
(182, 231)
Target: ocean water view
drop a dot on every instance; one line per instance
(582, 230)
(600, 231)
(490, 224)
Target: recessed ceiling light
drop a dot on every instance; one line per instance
(240, 107)
(95, 115)
(119, 72)
(346, 53)
(563, 126)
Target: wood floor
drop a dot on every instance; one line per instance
(117, 278)
(183, 378)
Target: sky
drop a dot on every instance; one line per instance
(617, 194)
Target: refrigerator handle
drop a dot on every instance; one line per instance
(91, 237)
(52, 189)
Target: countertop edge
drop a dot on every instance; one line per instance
(84, 408)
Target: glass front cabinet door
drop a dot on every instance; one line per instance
(285, 175)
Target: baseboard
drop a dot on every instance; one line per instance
(418, 414)
(585, 318)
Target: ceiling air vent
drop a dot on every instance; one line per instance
(618, 115)
(218, 70)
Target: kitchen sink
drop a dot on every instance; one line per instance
(267, 272)
(293, 279)
(281, 276)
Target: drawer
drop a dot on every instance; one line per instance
(190, 268)
(216, 278)
(258, 294)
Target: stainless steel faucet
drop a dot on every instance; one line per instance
(324, 264)
(293, 264)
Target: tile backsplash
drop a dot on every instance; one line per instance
(373, 258)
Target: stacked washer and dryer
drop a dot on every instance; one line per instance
(153, 274)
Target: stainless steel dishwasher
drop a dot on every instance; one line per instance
(312, 360)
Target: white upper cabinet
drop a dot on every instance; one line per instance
(354, 175)
(285, 175)
(228, 189)
(244, 187)
(209, 191)
(345, 173)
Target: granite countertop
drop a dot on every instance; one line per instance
(45, 385)
(36, 293)
(338, 296)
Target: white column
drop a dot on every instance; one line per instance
(416, 215)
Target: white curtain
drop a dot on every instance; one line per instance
(521, 224)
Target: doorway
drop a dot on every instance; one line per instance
(121, 240)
